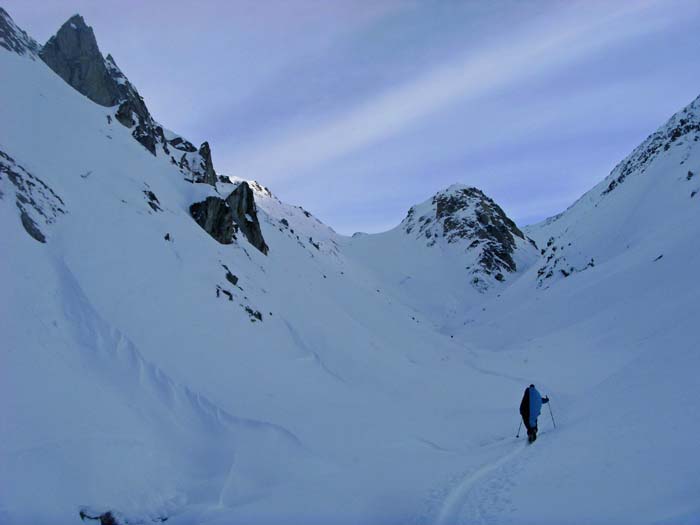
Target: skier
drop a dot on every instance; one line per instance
(530, 408)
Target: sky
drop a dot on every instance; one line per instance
(359, 109)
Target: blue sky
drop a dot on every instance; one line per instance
(357, 110)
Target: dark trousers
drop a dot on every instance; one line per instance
(531, 431)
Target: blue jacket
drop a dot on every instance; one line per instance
(531, 406)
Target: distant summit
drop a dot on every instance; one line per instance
(464, 216)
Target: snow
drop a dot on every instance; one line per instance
(380, 387)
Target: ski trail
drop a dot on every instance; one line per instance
(455, 500)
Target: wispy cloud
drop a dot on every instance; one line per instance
(559, 41)
(358, 110)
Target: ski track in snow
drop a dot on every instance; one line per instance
(457, 498)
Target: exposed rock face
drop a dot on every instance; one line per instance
(566, 253)
(181, 144)
(197, 164)
(15, 39)
(215, 217)
(466, 216)
(560, 261)
(106, 518)
(223, 218)
(37, 203)
(205, 170)
(681, 130)
(242, 204)
(73, 54)
(488, 226)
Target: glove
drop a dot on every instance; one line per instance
(545, 399)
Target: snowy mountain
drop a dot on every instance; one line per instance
(449, 253)
(646, 202)
(181, 345)
(465, 215)
(74, 55)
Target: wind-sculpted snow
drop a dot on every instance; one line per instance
(134, 442)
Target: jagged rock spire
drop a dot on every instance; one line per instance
(74, 55)
(245, 215)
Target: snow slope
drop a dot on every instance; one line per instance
(616, 339)
(333, 376)
(151, 372)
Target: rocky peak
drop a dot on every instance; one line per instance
(465, 218)
(208, 174)
(15, 39)
(245, 215)
(74, 55)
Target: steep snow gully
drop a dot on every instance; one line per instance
(181, 345)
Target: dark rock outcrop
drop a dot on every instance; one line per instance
(466, 216)
(245, 215)
(74, 55)
(561, 260)
(15, 39)
(233, 279)
(106, 518)
(181, 144)
(153, 201)
(215, 217)
(206, 168)
(489, 226)
(37, 203)
(223, 218)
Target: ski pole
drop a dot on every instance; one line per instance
(519, 427)
(550, 413)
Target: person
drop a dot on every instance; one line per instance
(530, 408)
